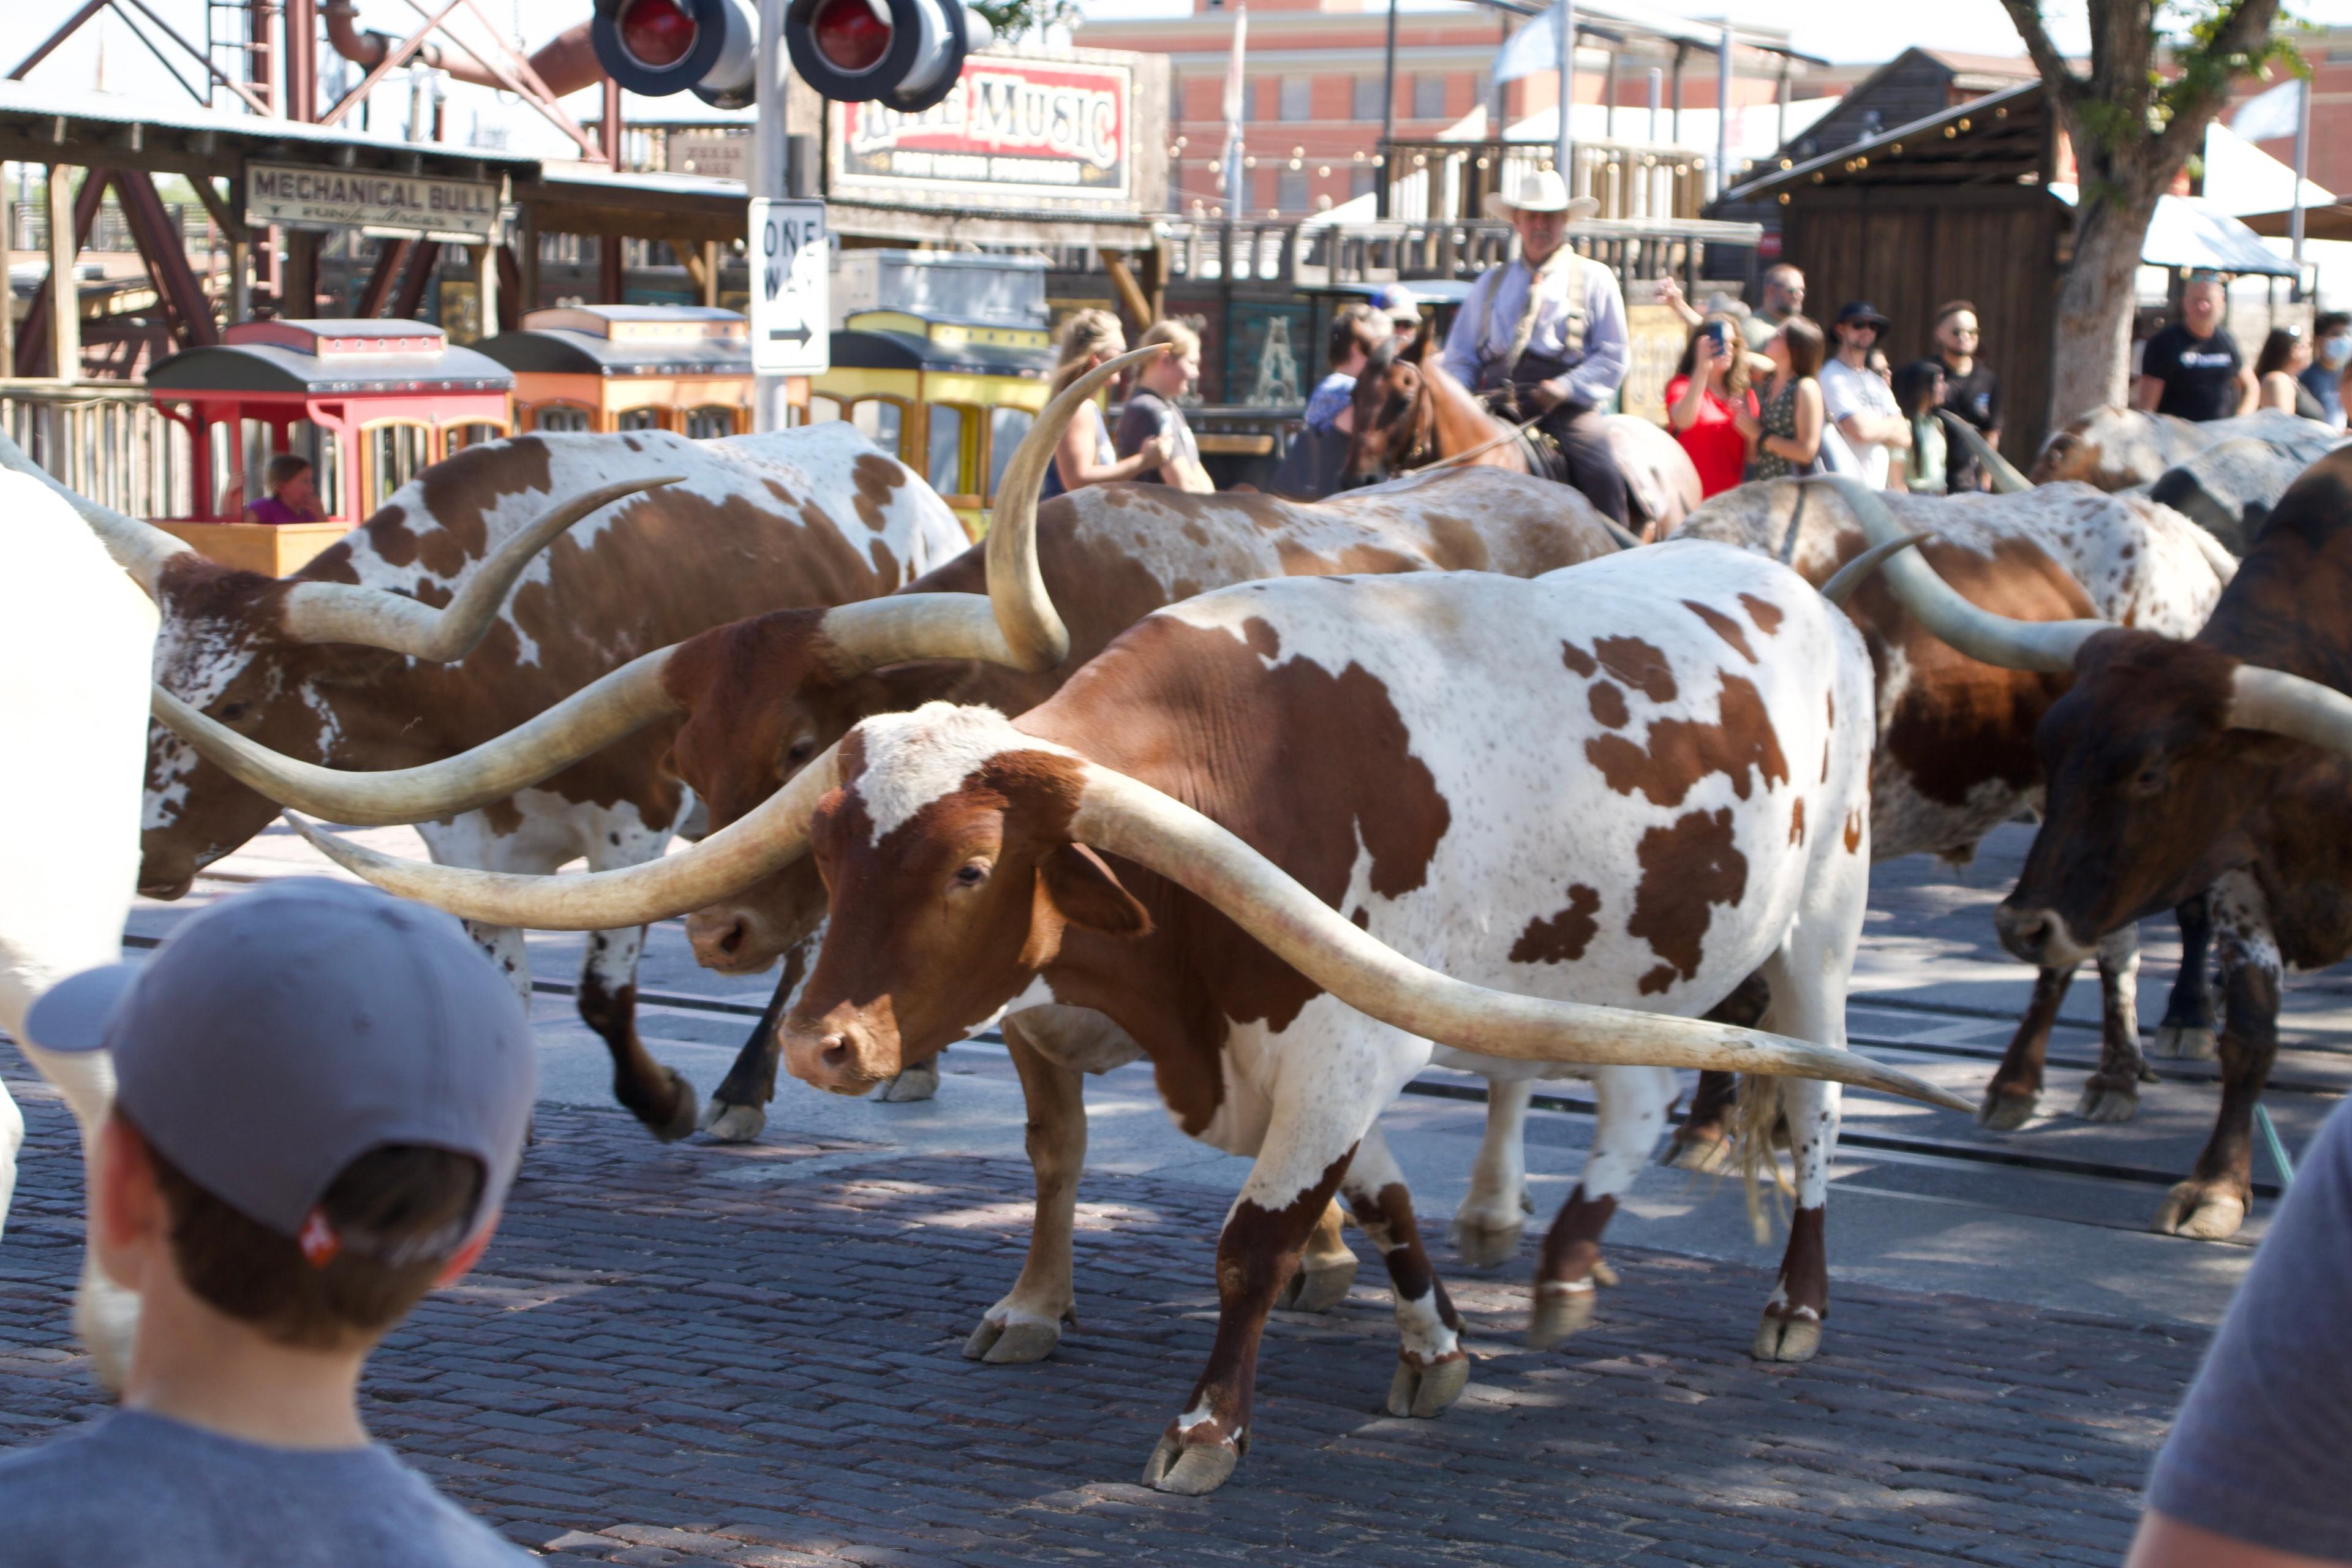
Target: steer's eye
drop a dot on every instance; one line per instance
(2150, 779)
(232, 711)
(800, 751)
(971, 874)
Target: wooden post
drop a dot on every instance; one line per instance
(7, 255)
(298, 290)
(486, 286)
(527, 261)
(1131, 298)
(64, 286)
(710, 273)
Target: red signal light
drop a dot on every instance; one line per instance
(656, 33)
(847, 33)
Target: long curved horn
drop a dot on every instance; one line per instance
(759, 843)
(2006, 480)
(2287, 704)
(2046, 646)
(1018, 624)
(139, 547)
(372, 617)
(589, 720)
(1127, 817)
(1858, 571)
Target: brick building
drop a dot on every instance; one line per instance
(1313, 72)
(2329, 50)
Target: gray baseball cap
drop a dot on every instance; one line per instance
(280, 1035)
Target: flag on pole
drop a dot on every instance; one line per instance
(1235, 97)
(1533, 49)
(2271, 116)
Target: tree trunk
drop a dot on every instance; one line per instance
(2094, 308)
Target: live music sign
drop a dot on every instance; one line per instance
(462, 212)
(1014, 132)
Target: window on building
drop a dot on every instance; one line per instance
(1252, 109)
(823, 410)
(1297, 100)
(1290, 193)
(1429, 96)
(709, 422)
(1370, 100)
(946, 447)
(1362, 179)
(568, 418)
(1007, 428)
(638, 419)
(878, 420)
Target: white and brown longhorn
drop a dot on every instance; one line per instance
(1590, 799)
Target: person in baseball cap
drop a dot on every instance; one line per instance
(322, 1095)
(1402, 306)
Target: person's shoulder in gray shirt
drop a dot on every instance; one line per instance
(2262, 1452)
(132, 1491)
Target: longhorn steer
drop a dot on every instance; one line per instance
(2114, 448)
(2173, 765)
(75, 638)
(811, 517)
(2228, 489)
(1450, 763)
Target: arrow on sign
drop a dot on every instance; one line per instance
(800, 334)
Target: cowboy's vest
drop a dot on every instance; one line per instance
(1498, 365)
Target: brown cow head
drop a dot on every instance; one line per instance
(1395, 417)
(952, 877)
(2148, 787)
(761, 701)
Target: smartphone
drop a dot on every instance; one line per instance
(1713, 330)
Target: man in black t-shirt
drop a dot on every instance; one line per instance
(2192, 368)
(1971, 391)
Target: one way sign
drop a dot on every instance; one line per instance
(790, 296)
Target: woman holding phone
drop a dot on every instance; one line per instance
(1709, 390)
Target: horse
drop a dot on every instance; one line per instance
(1409, 413)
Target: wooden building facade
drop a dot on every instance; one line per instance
(1956, 206)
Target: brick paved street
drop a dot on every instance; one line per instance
(750, 1355)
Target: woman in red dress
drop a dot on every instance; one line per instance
(1709, 385)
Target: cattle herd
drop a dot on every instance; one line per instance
(1289, 800)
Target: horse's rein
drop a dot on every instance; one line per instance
(1513, 434)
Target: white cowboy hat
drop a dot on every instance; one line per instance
(1541, 192)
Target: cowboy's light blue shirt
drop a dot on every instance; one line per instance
(1482, 328)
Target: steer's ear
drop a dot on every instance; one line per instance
(1085, 893)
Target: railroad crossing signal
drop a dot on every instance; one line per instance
(790, 298)
(656, 48)
(908, 54)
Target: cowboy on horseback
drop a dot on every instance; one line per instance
(1545, 337)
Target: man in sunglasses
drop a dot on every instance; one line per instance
(1858, 401)
(1971, 391)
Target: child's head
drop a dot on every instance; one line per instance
(1918, 387)
(288, 477)
(323, 1096)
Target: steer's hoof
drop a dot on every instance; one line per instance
(1481, 1243)
(1424, 1391)
(1190, 1471)
(1320, 1290)
(919, 1082)
(1704, 1155)
(684, 1105)
(1787, 1338)
(2190, 1042)
(2108, 1102)
(733, 1124)
(1562, 1307)
(2202, 1211)
(2006, 1113)
(1012, 1341)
